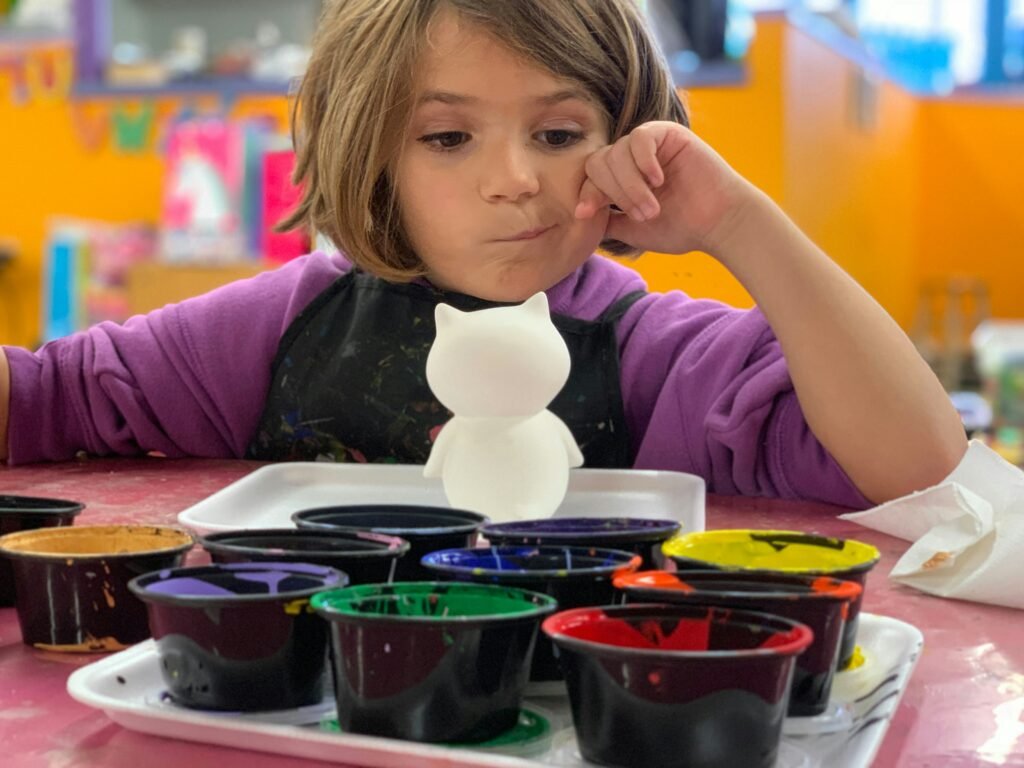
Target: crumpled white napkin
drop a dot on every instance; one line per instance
(968, 531)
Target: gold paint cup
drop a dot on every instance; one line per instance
(71, 583)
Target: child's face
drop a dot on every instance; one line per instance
(492, 167)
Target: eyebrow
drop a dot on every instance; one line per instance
(447, 97)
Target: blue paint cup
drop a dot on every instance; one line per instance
(644, 536)
(574, 576)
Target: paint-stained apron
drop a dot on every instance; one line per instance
(349, 378)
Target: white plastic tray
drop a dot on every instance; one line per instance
(267, 497)
(128, 687)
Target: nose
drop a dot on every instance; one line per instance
(508, 173)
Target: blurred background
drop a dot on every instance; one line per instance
(145, 158)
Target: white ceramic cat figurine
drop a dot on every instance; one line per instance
(503, 454)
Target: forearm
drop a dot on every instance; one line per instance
(865, 392)
(5, 402)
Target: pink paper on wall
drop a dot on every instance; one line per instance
(201, 216)
(280, 197)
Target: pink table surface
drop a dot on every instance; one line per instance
(964, 705)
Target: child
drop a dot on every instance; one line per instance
(479, 151)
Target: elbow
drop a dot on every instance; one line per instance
(916, 468)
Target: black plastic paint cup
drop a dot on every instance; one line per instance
(431, 661)
(574, 576)
(29, 513)
(820, 602)
(644, 536)
(367, 558)
(427, 529)
(661, 686)
(779, 555)
(72, 582)
(239, 636)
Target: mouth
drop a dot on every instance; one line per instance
(527, 234)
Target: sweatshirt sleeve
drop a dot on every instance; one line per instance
(707, 391)
(189, 379)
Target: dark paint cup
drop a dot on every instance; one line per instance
(574, 576)
(72, 582)
(431, 661)
(819, 602)
(782, 553)
(644, 536)
(427, 529)
(29, 513)
(670, 685)
(239, 636)
(367, 558)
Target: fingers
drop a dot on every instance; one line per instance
(591, 201)
(625, 230)
(625, 173)
(644, 148)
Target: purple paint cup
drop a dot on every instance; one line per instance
(240, 636)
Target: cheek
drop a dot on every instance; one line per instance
(422, 200)
(592, 230)
(437, 200)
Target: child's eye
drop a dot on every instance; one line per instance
(560, 137)
(445, 141)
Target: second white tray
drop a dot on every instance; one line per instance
(267, 497)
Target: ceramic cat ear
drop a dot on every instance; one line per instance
(445, 315)
(537, 305)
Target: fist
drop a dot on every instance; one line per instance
(674, 194)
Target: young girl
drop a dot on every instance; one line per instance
(478, 151)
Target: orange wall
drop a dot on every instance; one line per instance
(852, 186)
(743, 123)
(932, 188)
(972, 177)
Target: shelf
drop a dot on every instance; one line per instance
(711, 74)
(228, 89)
(17, 37)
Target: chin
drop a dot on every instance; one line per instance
(511, 282)
(518, 288)
(505, 294)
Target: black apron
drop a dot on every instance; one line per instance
(349, 379)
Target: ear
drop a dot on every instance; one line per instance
(446, 316)
(537, 305)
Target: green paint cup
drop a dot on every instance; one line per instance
(431, 661)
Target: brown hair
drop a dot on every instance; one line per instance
(355, 101)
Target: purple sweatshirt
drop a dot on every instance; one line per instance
(705, 386)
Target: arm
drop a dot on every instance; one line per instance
(189, 379)
(864, 391)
